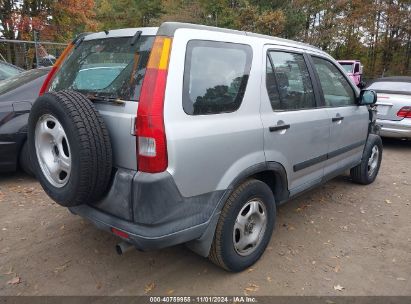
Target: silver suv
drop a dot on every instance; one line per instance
(193, 134)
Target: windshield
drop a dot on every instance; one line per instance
(107, 68)
(7, 71)
(21, 79)
(391, 86)
(348, 67)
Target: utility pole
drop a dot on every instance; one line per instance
(36, 45)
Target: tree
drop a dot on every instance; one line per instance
(180, 11)
(7, 18)
(378, 32)
(69, 18)
(127, 13)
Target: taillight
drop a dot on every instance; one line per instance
(150, 130)
(46, 84)
(404, 112)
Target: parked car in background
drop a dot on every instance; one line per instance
(16, 97)
(393, 106)
(354, 70)
(8, 70)
(47, 60)
(97, 77)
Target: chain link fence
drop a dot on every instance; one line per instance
(30, 54)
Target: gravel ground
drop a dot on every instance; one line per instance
(340, 239)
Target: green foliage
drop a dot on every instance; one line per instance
(127, 13)
(378, 32)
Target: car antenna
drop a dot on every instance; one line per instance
(106, 31)
(136, 36)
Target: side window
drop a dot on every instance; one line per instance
(215, 76)
(337, 91)
(288, 82)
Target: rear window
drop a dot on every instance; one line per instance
(215, 76)
(20, 79)
(106, 68)
(7, 71)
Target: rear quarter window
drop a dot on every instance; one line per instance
(215, 76)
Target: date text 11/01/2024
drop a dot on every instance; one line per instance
(206, 299)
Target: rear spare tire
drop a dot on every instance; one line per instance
(70, 148)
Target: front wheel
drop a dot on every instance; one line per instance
(366, 172)
(245, 226)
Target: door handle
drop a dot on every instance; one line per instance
(335, 119)
(279, 128)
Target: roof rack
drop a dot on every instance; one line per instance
(169, 29)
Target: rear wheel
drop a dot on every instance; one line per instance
(366, 172)
(245, 227)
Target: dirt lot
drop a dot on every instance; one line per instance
(339, 236)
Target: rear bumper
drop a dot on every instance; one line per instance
(142, 237)
(395, 129)
(151, 210)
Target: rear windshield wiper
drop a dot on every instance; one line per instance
(135, 38)
(96, 97)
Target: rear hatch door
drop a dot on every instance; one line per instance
(109, 69)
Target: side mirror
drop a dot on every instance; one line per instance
(367, 97)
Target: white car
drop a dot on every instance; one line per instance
(393, 106)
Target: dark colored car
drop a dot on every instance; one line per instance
(8, 70)
(17, 95)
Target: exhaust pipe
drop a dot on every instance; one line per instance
(123, 247)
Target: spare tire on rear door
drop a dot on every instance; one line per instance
(70, 148)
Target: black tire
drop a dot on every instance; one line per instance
(91, 153)
(24, 160)
(361, 174)
(222, 252)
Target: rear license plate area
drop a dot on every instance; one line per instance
(382, 109)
